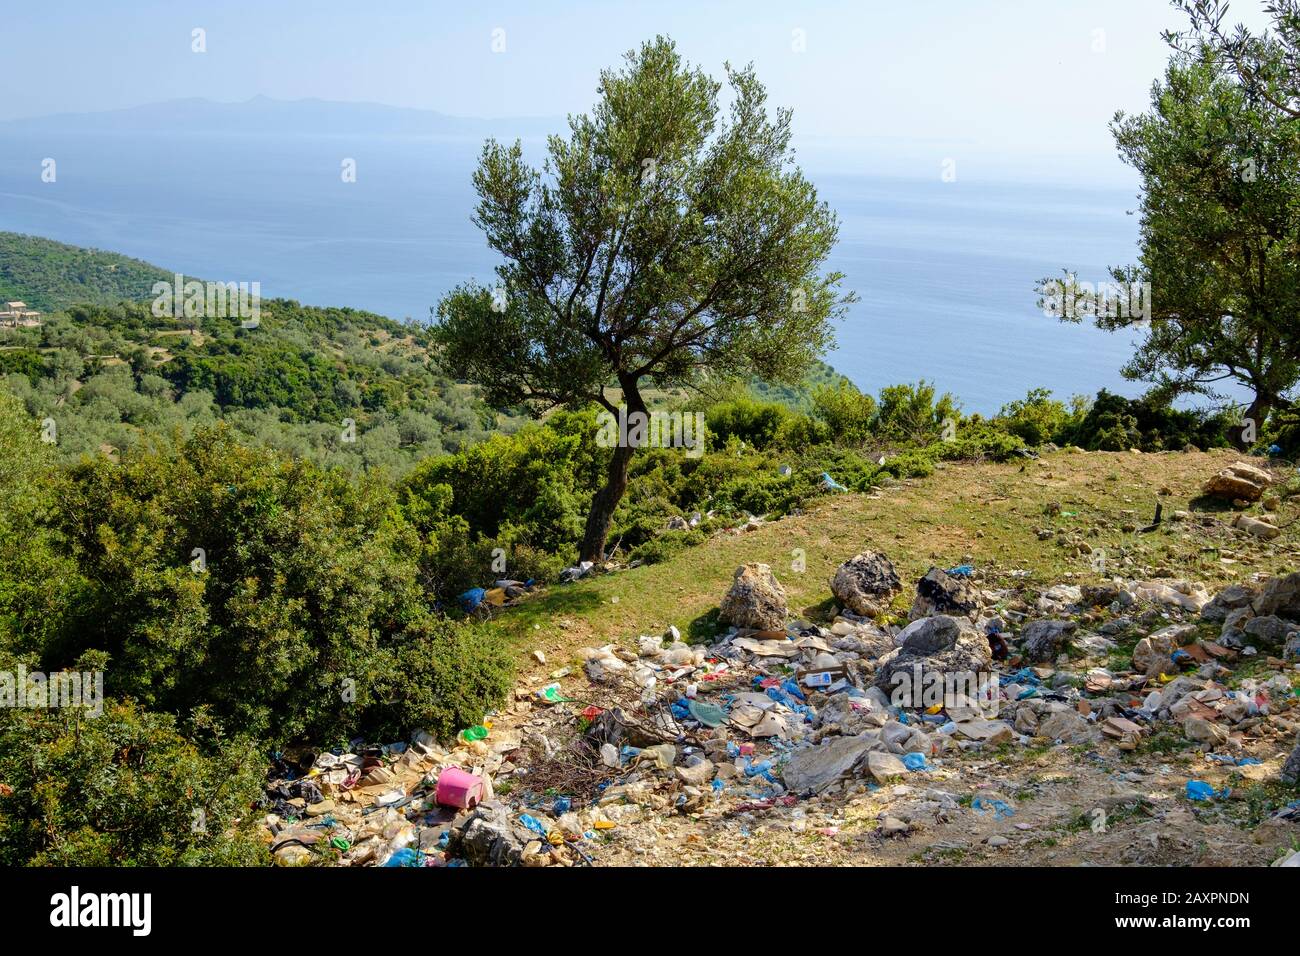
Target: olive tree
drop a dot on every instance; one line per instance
(1219, 233)
(664, 240)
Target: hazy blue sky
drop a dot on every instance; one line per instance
(1003, 82)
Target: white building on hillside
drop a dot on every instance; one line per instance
(16, 314)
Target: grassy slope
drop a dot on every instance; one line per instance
(988, 513)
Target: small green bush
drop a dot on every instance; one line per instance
(757, 424)
(126, 788)
(665, 546)
(849, 415)
(1036, 419)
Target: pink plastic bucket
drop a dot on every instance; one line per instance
(456, 788)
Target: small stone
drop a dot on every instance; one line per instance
(892, 826)
(885, 766)
(696, 773)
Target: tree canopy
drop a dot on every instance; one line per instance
(1220, 230)
(660, 242)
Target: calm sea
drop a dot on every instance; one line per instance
(945, 270)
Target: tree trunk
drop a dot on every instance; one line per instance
(604, 501)
(1258, 411)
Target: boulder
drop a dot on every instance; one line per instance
(1232, 598)
(1291, 769)
(756, 600)
(885, 766)
(1044, 640)
(1270, 629)
(929, 636)
(942, 593)
(1280, 596)
(951, 646)
(816, 768)
(1239, 481)
(1204, 731)
(865, 583)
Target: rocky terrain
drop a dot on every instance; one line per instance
(1121, 713)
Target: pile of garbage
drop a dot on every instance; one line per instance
(505, 592)
(776, 712)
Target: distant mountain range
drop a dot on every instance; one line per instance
(262, 115)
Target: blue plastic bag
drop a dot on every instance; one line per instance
(534, 824)
(1000, 808)
(471, 598)
(915, 761)
(1199, 790)
(406, 856)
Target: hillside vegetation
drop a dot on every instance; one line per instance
(50, 275)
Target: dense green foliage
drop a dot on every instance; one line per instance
(665, 240)
(1114, 423)
(126, 788)
(50, 275)
(1218, 280)
(110, 375)
(234, 600)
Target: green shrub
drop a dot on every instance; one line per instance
(1115, 423)
(126, 788)
(666, 545)
(310, 585)
(849, 415)
(446, 677)
(38, 581)
(910, 414)
(755, 423)
(1036, 419)
(539, 481)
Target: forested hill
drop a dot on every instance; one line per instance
(50, 275)
(338, 385)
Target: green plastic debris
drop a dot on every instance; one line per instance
(707, 714)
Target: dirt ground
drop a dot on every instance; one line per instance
(1041, 804)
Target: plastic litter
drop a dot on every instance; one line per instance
(1001, 809)
(830, 484)
(707, 714)
(471, 599)
(456, 788)
(1199, 790)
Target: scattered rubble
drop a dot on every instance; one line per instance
(825, 728)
